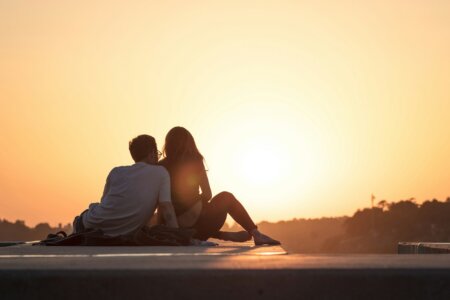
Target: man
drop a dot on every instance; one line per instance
(131, 194)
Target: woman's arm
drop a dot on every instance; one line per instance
(206, 194)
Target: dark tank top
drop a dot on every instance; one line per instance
(184, 182)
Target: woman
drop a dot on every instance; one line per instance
(206, 215)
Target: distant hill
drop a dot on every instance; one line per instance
(369, 230)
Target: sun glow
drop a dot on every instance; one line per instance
(261, 163)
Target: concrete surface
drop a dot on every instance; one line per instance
(423, 248)
(230, 271)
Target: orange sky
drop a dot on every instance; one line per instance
(301, 108)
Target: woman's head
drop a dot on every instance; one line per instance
(180, 145)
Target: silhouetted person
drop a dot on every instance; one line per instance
(198, 210)
(131, 194)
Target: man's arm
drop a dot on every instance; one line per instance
(168, 214)
(165, 206)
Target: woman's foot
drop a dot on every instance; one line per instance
(262, 239)
(239, 236)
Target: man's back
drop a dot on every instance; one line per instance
(130, 198)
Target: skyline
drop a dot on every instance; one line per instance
(301, 109)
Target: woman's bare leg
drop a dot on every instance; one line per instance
(214, 215)
(238, 236)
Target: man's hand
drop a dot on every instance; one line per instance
(168, 214)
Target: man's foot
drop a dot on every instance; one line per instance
(239, 236)
(262, 239)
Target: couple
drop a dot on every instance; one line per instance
(171, 185)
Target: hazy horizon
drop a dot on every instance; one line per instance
(301, 108)
(230, 222)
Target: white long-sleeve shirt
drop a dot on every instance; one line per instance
(130, 198)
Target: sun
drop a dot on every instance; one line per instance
(260, 163)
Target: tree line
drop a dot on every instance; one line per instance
(19, 231)
(370, 230)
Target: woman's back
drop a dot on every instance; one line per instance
(185, 179)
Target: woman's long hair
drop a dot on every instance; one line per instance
(180, 146)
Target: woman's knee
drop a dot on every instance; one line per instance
(224, 199)
(225, 195)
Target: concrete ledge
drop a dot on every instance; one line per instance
(423, 248)
(224, 272)
(225, 284)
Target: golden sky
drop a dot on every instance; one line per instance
(301, 108)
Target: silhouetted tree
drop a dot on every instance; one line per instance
(18, 231)
(383, 204)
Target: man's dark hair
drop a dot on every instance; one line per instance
(141, 146)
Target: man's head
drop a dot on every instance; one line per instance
(143, 148)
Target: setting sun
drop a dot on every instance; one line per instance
(260, 163)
